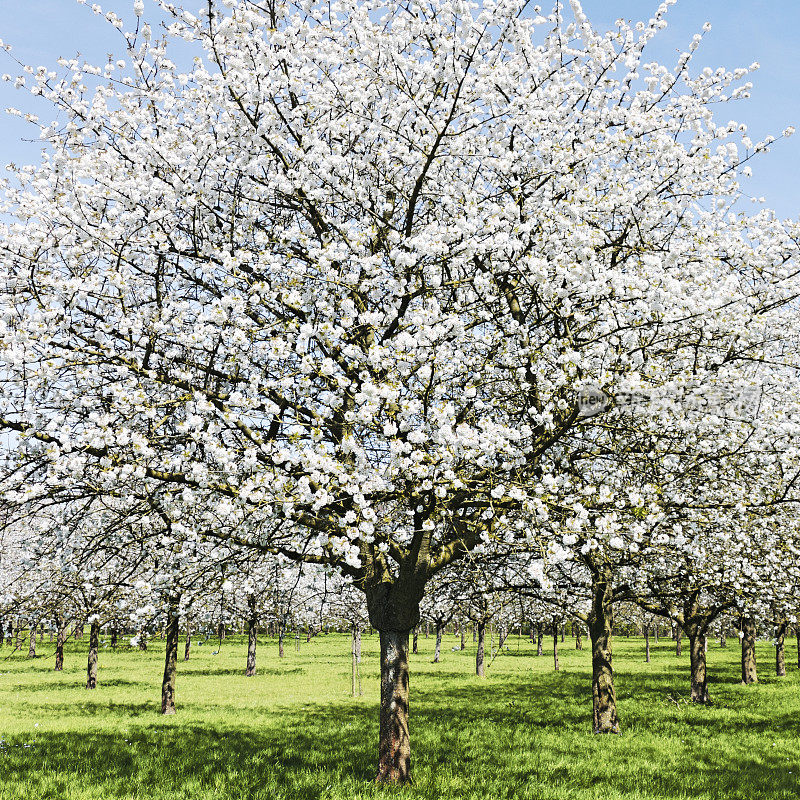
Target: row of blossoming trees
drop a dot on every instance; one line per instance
(398, 289)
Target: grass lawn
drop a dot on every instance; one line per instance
(294, 732)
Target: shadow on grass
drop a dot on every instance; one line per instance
(512, 737)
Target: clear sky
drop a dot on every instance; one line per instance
(743, 31)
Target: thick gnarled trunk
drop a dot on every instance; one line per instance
(394, 748)
(749, 673)
(697, 666)
(604, 699)
(94, 648)
(170, 658)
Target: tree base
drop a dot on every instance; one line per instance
(392, 778)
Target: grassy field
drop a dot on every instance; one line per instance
(294, 732)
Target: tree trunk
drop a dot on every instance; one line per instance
(780, 651)
(142, 639)
(647, 643)
(437, 652)
(61, 635)
(114, 636)
(187, 647)
(94, 647)
(749, 674)
(394, 747)
(281, 635)
(480, 667)
(32, 642)
(697, 665)
(723, 639)
(463, 637)
(539, 638)
(604, 700)
(555, 648)
(679, 641)
(356, 652)
(578, 636)
(171, 657)
(415, 639)
(252, 642)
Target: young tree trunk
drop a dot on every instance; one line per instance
(578, 636)
(555, 648)
(697, 665)
(463, 637)
(61, 636)
(474, 634)
(114, 636)
(723, 639)
(655, 633)
(10, 632)
(679, 641)
(539, 639)
(437, 651)
(563, 630)
(16, 635)
(170, 657)
(356, 652)
(415, 639)
(142, 639)
(749, 673)
(647, 643)
(480, 667)
(502, 635)
(780, 651)
(281, 636)
(604, 700)
(32, 642)
(394, 746)
(252, 642)
(94, 647)
(187, 646)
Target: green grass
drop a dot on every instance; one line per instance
(294, 732)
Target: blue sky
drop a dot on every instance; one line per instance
(743, 31)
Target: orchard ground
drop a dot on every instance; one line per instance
(294, 732)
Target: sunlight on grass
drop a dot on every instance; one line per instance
(293, 731)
